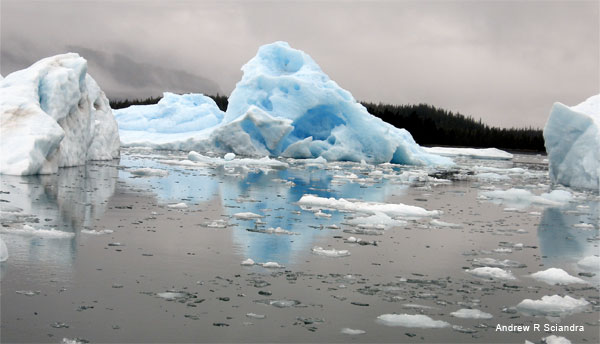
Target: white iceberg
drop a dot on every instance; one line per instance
(491, 273)
(330, 253)
(590, 263)
(552, 306)
(572, 140)
(388, 209)
(555, 276)
(523, 198)
(466, 313)
(285, 105)
(410, 320)
(476, 153)
(53, 114)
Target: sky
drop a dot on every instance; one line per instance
(505, 62)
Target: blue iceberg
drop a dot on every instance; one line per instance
(283, 106)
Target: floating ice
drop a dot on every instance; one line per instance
(181, 205)
(229, 156)
(553, 339)
(53, 114)
(466, 313)
(476, 153)
(496, 263)
(149, 172)
(523, 198)
(272, 265)
(173, 295)
(439, 223)
(283, 106)
(590, 263)
(351, 331)
(365, 207)
(255, 316)
(377, 220)
(3, 251)
(96, 232)
(248, 262)
(265, 161)
(45, 233)
(572, 140)
(247, 216)
(410, 320)
(330, 253)
(553, 306)
(556, 276)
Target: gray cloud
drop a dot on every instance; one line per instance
(505, 62)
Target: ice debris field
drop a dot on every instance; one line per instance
(294, 210)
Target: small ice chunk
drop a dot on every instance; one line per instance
(439, 223)
(330, 253)
(248, 262)
(590, 263)
(411, 320)
(96, 232)
(149, 172)
(553, 306)
(272, 265)
(491, 273)
(496, 263)
(247, 216)
(178, 206)
(476, 153)
(553, 339)
(255, 316)
(352, 332)
(229, 156)
(555, 276)
(365, 207)
(466, 313)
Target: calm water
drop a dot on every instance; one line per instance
(107, 287)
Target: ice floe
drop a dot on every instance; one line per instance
(491, 273)
(28, 230)
(477, 153)
(411, 320)
(552, 306)
(556, 276)
(330, 252)
(466, 313)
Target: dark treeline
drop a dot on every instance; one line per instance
(427, 124)
(432, 126)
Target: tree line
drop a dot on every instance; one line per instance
(427, 124)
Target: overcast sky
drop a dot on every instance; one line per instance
(505, 62)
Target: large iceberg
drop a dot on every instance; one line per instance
(283, 106)
(53, 114)
(572, 139)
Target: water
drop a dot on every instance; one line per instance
(137, 270)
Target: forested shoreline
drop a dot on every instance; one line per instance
(429, 126)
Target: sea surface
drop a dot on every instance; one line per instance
(149, 248)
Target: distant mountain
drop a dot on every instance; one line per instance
(124, 78)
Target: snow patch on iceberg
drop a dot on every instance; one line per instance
(53, 114)
(572, 140)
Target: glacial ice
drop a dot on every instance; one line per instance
(365, 207)
(556, 276)
(53, 114)
(351, 331)
(475, 153)
(553, 339)
(522, 198)
(318, 250)
(491, 272)
(28, 230)
(553, 306)
(572, 140)
(411, 320)
(285, 105)
(591, 263)
(466, 313)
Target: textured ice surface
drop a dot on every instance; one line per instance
(411, 320)
(53, 114)
(285, 105)
(553, 306)
(466, 313)
(477, 153)
(365, 207)
(491, 272)
(330, 252)
(28, 230)
(556, 276)
(524, 198)
(590, 263)
(572, 140)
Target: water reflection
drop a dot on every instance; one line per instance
(561, 240)
(67, 201)
(268, 192)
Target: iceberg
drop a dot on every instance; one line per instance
(572, 140)
(53, 114)
(284, 106)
